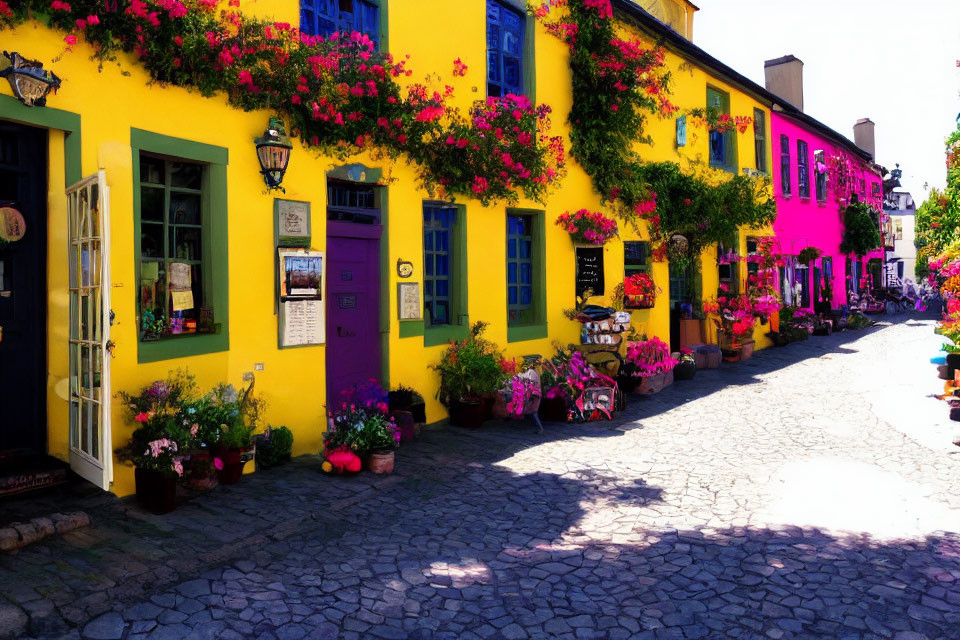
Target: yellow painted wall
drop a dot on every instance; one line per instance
(118, 98)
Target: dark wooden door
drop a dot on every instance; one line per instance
(353, 306)
(23, 290)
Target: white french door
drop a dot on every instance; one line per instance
(88, 203)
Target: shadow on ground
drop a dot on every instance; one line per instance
(455, 545)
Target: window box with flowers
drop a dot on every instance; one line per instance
(651, 361)
(639, 291)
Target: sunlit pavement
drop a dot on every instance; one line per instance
(770, 499)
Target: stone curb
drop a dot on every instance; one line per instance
(19, 534)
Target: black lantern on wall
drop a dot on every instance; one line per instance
(273, 152)
(29, 80)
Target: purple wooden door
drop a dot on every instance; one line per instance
(353, 306)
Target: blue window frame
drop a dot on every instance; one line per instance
(803, 170)
(323, 17)
(784, 165)
(438, 267)
(520, 269)
(505, 27)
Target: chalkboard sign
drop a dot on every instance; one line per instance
(589, 270)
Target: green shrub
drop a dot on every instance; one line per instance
(274, 447)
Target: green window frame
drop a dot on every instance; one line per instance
(526, 275)
(636, 257)
(760, 139)
(213, 239)
(722, 146)
(454, 235)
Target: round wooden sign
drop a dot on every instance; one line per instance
(12, 224)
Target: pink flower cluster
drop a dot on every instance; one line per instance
(587, 226)
(650, 357)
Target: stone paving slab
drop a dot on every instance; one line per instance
(767, 499)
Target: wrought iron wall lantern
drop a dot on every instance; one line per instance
(273, 152)
(30, 81)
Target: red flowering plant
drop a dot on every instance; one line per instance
(639, 291)
(568, 375)
(733, 317)
(503, 146)
(649, 358)
(713, 119)
(340, 95)
(588, 227)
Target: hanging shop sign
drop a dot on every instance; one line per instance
(12, 224)
(29, 80)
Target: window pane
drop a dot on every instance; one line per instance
(151, 240)
(151, 203)
(185, 243)
(526, 295)
(512, 295)
(186, 175)
(525, 272)
(151, 170)
(185, 208)
(512, 273)
(525, 248)
(511, 73)
(493, 66)
(512, 248)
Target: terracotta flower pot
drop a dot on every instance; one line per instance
(746, 349)
(156, 491)
(232, 464)
(380, 462)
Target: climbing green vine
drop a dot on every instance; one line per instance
(617, 85)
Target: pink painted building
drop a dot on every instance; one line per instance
(816, 173)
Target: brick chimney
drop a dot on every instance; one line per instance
(863, 136)
(784, 77)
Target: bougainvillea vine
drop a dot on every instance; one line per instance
(340, 95)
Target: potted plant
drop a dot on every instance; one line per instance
(520, 395)
(363, 429)
(686, 367)
(554, 405)
(588, 227)
(154, 448)
(470, 375)
(242, 412)
(273, 447)
(652, 363)
(406, 399)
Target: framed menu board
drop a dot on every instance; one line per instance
(589, 274)
(301, 312)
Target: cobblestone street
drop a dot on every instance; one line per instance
(805, 493)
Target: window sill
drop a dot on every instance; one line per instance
(182, 346)
(442, 334)
(411, 328)
(521, 333)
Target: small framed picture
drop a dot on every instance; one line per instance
(408, 301)
(292, 223)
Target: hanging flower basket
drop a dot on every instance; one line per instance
(639, 292)
(588, 227)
